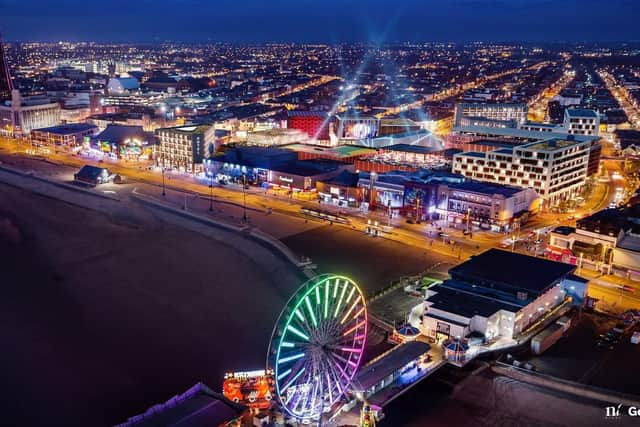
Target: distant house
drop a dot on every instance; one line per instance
(92, 175)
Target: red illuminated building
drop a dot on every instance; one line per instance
(314, 123)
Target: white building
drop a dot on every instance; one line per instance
(485, 205)
(21, 115)
(579, 121)
(185, 147)
(542, 127)
(509, 115)
(499, 295)
(606, 240)
(556, 168)
(122, 85)
(568, 100)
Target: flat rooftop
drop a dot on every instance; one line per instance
(581, 112)
(186, 129)
(466, 304)
(540, 124)
(630, 243)
(518, 133)
(564, 230)
(397, 358)
(478, 154)
(401, 122)
(486, 188)
(341, 151)
(67, 129)
(512, 269)
(552, 144)
(612, 221)
(308, 167)
(505, 150)
(408, 148)
(297, 113)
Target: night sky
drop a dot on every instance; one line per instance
(321, 20)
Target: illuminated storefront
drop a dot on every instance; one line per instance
(125, 142)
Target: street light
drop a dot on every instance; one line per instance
(372, 183)
(210, 191)
(244, 196)
(164, 193)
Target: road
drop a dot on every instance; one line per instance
(613, 295)
(538, 106)
(621, 95)
(286, 223)
(150, 182)
(454, 91)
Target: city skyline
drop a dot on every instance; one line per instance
(293, 214)
(303, 21)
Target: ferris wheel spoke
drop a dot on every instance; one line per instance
(340, 299)
(354, 328)
(327, 286)
(329, 386)
(351, 308)
(298, 391)
(292, 380)
(305, 396)
(307, 301)
(347, 362)
(341, 377)
(305, 327)
(332, 372)
(298, 333)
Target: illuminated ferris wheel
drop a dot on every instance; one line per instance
(317, 345)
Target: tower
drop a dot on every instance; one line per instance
(6, 86)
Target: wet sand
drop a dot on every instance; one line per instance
(103, 316)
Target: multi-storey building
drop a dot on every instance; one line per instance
(69, 134)
(485, 205)
(579, 121)
(22, 115)
(556, 168)
(493, 115)
(185, 147)
(499, 295)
